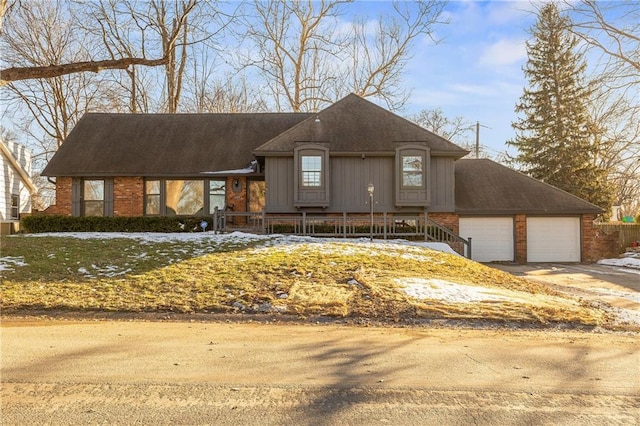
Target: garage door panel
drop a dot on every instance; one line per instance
(553, 239)
(492, 237)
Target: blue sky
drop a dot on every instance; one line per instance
(476, 71)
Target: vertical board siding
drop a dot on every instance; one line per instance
(442, 184)
(279, 180)
(350, 177)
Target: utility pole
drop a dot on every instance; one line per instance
(478, 137)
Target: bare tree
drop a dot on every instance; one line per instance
(40, 34)
(613, 30)
(24, 70)
(307, 57)
(456, 130)
(378, 57)
(210, 94)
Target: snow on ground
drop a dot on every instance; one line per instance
(234, 237)
(205, 242)
(450, 292)
(157, 237)
(201, 243)
(627, 262)
(7, 263)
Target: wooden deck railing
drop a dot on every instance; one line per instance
(345, 225)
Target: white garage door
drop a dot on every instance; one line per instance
(553, 239)
(492, 237)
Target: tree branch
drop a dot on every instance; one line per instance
(27, 73)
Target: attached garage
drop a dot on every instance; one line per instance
(492, 237)
(553, 239)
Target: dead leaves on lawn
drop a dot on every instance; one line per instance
(339, 279)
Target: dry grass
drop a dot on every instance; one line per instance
(342, 279)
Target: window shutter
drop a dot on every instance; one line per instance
(108, 197)
(76, 197)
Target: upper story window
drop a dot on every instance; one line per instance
(311, 175)
(311, 168)
(412, 171)
(15, 206)
(93, 197)
(412, 175)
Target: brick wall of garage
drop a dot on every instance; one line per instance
(596, 244)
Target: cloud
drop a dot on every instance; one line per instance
(504, 52)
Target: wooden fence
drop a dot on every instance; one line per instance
(627, 233)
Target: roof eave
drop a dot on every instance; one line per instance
(529, 212)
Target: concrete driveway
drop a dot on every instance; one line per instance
(619, 287)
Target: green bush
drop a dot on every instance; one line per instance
(47, 223)
(638, 218)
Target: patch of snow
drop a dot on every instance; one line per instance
(158, 237)
(7, 263)
(450, 292)
(243, 238)
(627, 262)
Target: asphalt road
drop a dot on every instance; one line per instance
(121, 372)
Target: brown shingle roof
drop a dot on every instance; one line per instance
(486, 187)
(354, 125)
(165, 144)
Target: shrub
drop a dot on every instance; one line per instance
(48, 223)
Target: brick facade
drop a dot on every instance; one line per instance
(63, 198)
(128, 196)
(237, 194)
(596, 244)
(448, 220)
(128, 200)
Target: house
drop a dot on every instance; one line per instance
(316, 164)
(16, 183)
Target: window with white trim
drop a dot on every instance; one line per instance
(412, 171)
(15, 206)
(311, 171)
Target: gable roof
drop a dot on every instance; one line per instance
(13, 161)
(355, 125)
(165, 144)
(485, 187)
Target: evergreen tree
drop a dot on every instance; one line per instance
(556, 138)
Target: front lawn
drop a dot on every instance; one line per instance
(242, 273)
